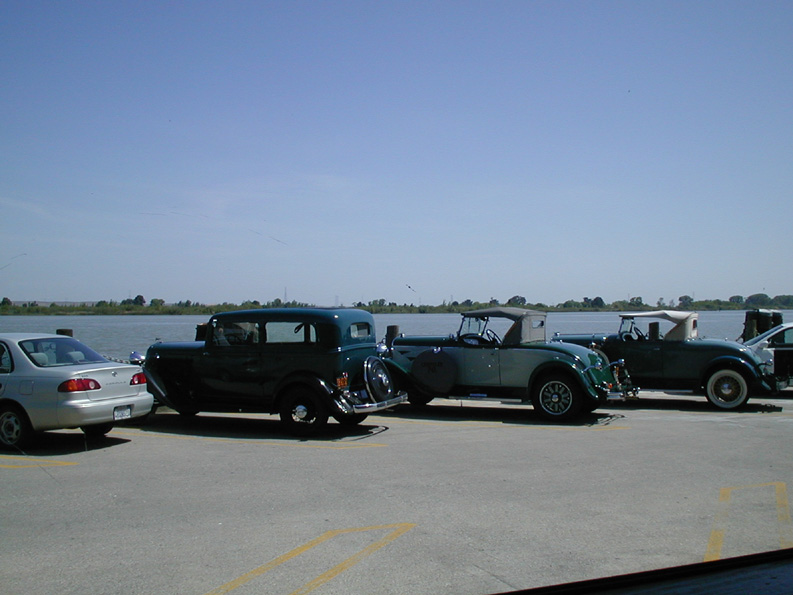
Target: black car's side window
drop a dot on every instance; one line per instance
(229, 334)
(291, 332)
(359, 332)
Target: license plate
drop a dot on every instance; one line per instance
(123, 412)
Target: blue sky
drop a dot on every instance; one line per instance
(335, 152)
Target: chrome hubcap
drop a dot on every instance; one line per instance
(727, 389)
(556, 397)
(300, 413)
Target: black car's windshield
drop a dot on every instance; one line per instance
(59, 351)
(626, 325)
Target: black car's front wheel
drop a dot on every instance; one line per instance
(418, 398)
(556, 397)
(303, 412)
(727, 389)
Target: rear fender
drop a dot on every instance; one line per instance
(399, 375)
(327, 392)
(728, 362)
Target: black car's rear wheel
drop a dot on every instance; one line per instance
(303, 412)
(350, 420)
(556, 397)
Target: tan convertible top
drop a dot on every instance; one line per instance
(529, 325)
(685, 322)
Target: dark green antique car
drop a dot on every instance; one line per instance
(677, 359)
(560, 380)
(304, 363)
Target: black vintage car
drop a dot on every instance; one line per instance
(305, 364)
(727, 372)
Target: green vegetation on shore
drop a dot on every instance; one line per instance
(138, 305)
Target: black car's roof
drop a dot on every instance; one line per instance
(338, 316)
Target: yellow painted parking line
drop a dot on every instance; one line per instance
(398, 530)
(12, 462)
(784, 524)
(333, 446)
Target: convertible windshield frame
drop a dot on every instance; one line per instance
(473, 326)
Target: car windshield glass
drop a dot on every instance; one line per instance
(626, 325)
(763, 337)
(473, 326)
(59, 351)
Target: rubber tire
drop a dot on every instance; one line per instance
(556, 397)
(15, 428)
(303, 412)
(350, 420)
(378, 380)
(418, 399)
(727, 389)
(96, 430)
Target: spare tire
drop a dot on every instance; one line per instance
(378, 380)
(435, 371)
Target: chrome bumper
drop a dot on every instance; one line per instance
(368, 405)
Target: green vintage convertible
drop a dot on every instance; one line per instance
(560, 380)
(677, 359)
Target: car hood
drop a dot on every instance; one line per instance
(579, 351)
(426, 341)
(176, 347)
(585, 338)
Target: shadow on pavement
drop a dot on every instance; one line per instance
(55, 443)
(249, 426)
(508, 413)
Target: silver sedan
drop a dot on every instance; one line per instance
(50, 382)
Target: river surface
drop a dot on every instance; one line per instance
(117, 336)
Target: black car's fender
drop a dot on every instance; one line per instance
(737, 364)
(399, 375)
(171, 389)
(562, 367)
(322, 388)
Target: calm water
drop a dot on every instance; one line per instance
(117, 336)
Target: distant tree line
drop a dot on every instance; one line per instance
(139, 305)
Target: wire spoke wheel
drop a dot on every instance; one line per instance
(556, 398)
(727, 389)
